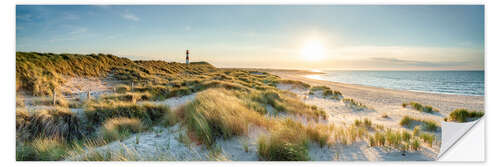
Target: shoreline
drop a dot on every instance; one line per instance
(372, 95)
(376, 87)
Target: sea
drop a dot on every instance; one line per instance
(445, 82)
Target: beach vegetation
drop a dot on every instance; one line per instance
(428, 138)
(49, 101)
(119, 128)
(411, 122)
(127, 97)
(354, 104)
(464, 115)
(326, 91)
(287, 143)
(42, 149)
(219, 113)
(148, 113)
(296, 83)
(420, 107)
(55, 122)
(121, 88)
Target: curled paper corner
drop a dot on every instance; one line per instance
(452, 132)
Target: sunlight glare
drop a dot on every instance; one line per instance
(313, 51)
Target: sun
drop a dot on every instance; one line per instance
(313, 50)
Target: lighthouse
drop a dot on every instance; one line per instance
(187, 56)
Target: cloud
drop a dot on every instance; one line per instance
(78, 30)
(130, 16)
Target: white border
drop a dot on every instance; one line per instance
(7, 63)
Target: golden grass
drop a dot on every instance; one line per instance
(217, 112)
(119, 128)
(97, 112)
(286, 143)
(57, 122)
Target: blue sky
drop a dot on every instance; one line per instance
(349, 37)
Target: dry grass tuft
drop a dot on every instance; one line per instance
(148, 113)
(219, 113)
(119, 128)
(464, 115)
(420, 107)
(57, 122)
(410, 122)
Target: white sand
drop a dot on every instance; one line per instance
(381, 101)
(80, 86)
(165, 144)
(340, 113)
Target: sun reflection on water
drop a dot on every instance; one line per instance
(314, 76)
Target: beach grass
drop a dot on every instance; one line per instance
(286, 143)
(326, 91)
(411, 122)
(119, 128)
(420, 107)
(148, 113)
(56, 122)
(354, 104)
(464, 115)
(219, 113)
(42, 149)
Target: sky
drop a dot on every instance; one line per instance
(328, 37)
